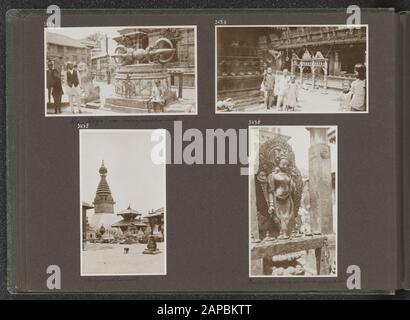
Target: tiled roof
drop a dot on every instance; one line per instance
(87, 205)
(156, 213)
(129, 210)
(124, 223)
(61, 40)
(121, 223)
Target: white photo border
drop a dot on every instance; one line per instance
(124, 114)
(82, 274)
(293, 25)
(336, 198)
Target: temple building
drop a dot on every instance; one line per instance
(103, 203)
(318, 56)
(183, 40)
(88, 233)
(155, 220)
(61, 49)
(102, 65)
(131, 221)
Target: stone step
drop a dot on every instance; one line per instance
(249, 101)
(93, 104)
(125, 109)
(240, 95)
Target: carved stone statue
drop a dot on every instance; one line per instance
(266, 225)
(151, 246)
(284, 183)
(129, 87)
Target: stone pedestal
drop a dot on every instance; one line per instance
(133, 86)
(151, 246)
(320, 189)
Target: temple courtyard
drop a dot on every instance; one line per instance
(110, 259)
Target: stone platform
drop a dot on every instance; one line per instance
(269, 249)
(134, 105)
(133, 87)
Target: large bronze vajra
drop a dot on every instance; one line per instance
(161, 52)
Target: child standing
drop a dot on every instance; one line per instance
(292, 94)
(344, 98)
(157, 98)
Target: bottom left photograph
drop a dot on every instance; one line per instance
(122, 203)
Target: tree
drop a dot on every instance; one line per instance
(95, 37)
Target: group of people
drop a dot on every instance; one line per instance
(72, 84)
(280, 89)
(353, 96)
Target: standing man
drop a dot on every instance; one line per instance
(74, 89)
(50, 69)
(283, 82)
(269, 84)
(57, 90)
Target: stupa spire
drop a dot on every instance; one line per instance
(103, 201)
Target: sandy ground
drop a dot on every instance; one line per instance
(308, 102)
(98, 259)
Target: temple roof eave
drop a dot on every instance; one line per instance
(133, 215)
(123, 223)
(318, 43)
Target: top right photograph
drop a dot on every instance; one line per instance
(292, 69)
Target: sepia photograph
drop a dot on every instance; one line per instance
(123, 204)
(109, 71)
(293, 201)
(288, 69)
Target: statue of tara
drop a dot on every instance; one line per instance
(284, 183)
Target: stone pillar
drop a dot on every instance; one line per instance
(301, 74)
(336, 64)
(325, 76)
(180, 84)
(313, 76)
(254, 216)
(320, 182)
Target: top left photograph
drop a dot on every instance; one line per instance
(120, 71)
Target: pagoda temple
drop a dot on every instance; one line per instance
(131, 221)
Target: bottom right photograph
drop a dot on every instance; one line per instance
(293, 201)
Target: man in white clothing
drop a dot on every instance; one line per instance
(282, 86)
